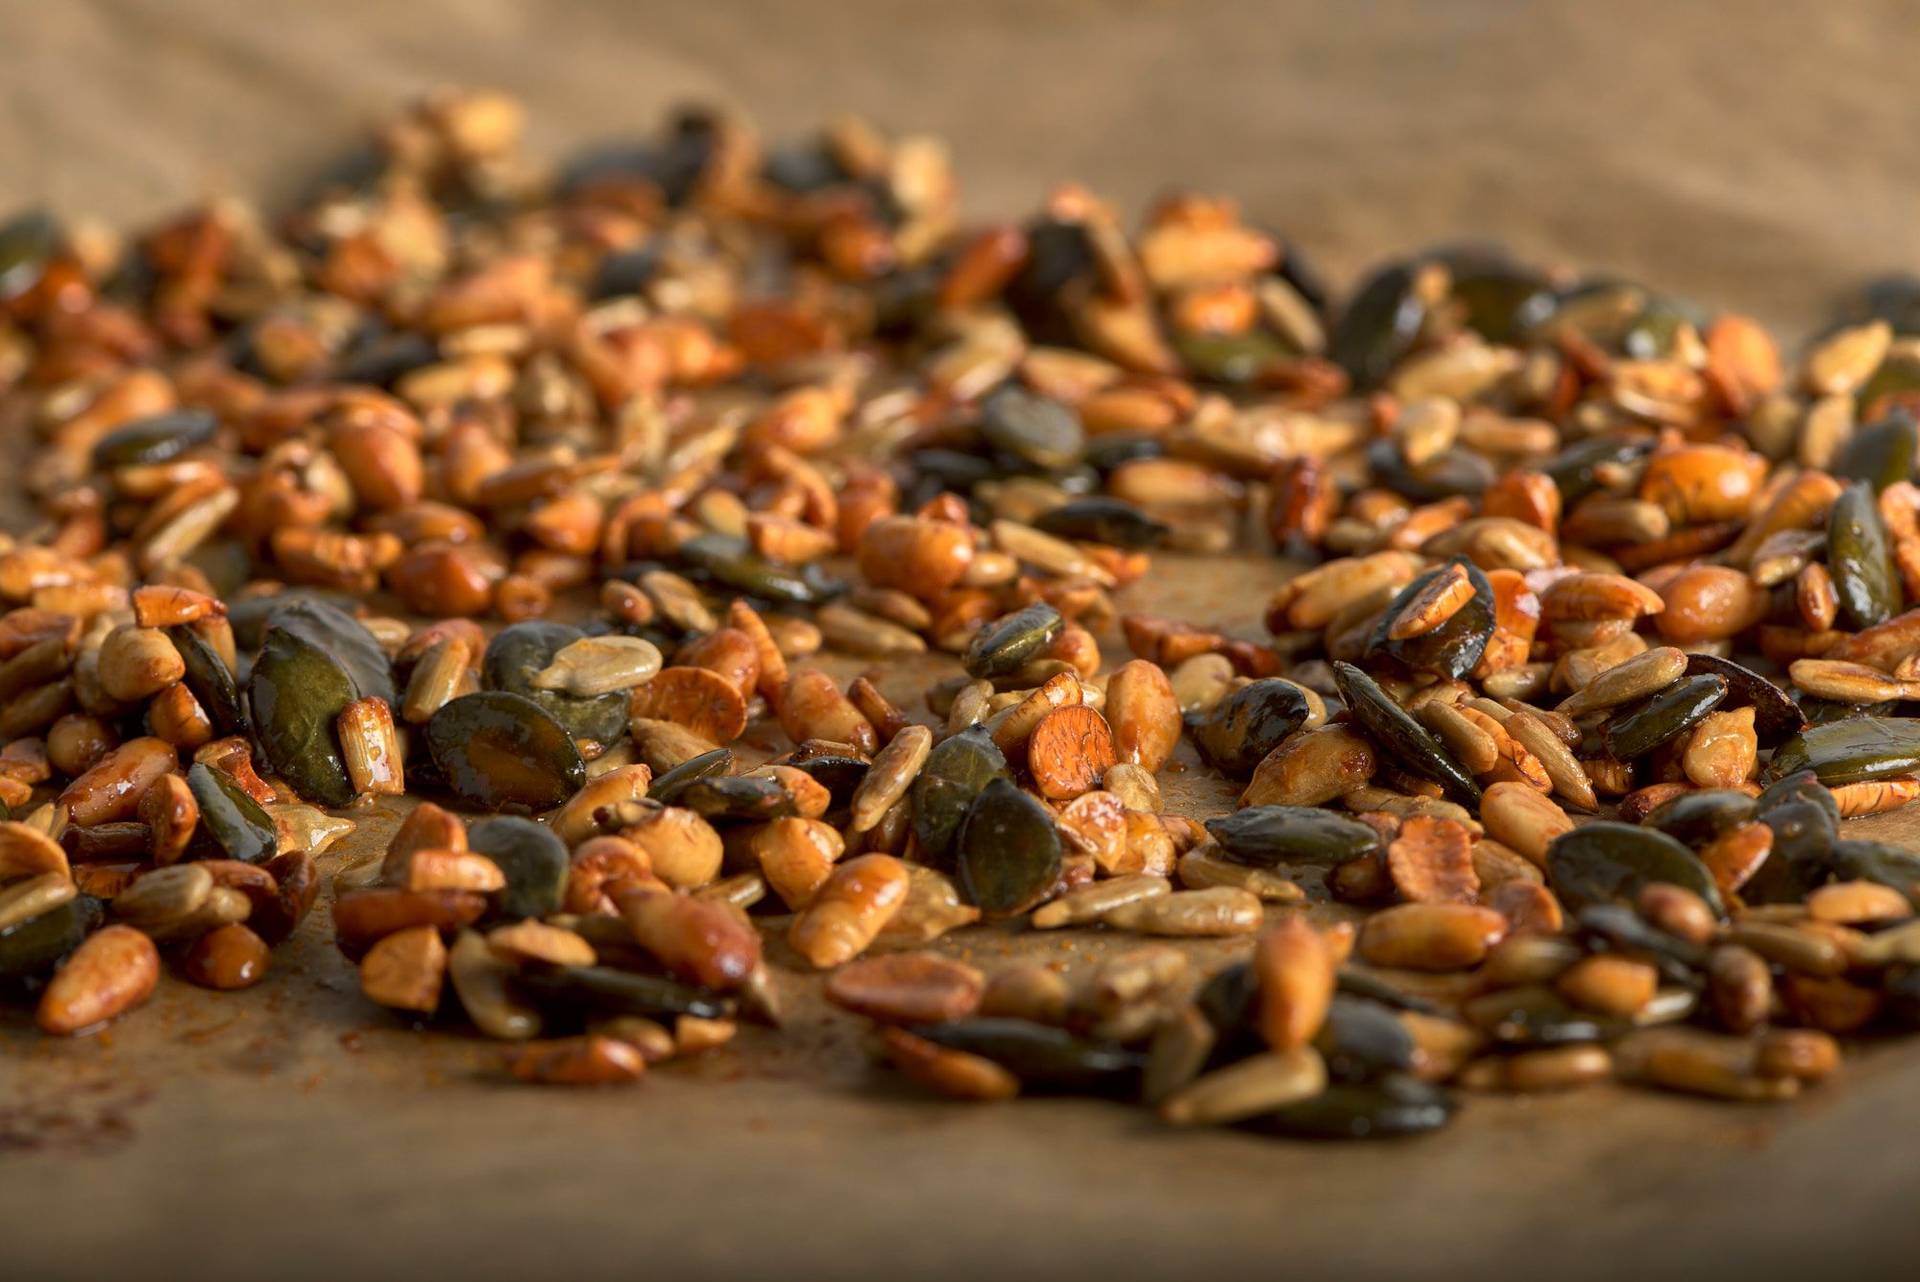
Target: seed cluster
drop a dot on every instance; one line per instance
(308, 492)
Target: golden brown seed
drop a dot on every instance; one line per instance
(950, 1072)
(138, 662)
(593, 808)
(27, 898)
(1804, 951)
(482, 979)
(700, 700)
(111, 790)
(588, 1060)
(438, 676)
(907, 988)
(1026, 990)
(932, 909)
(1562, 767)
(1257, 1084)
(405, 970)
(796, 856)
(890, 774)
(702, 941)
(682, 847)
(110, 973)
(226, 958)
(431, 869)
(1518, 816)
(1677, 910)
(1435, 937)
(1312, 767)
(530, 940)
(813, 707)
(371, 748)
(1095, 900)
(1700, 1063)
(164, 897)
(25, 851)
(1854, 903)
(1294, 972)
(1202, 867)
(1431, 861)
(1609, 984)
(600, 665)
(1144, 714)
(1739, 988)
(1872, 796)
(1802, 1053)
(1068, 752)
(1219, 910)
(849, 910)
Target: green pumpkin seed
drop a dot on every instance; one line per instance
(1502, 299)
(297, 690)
(238, 824)
(531, 857)
(517, 656)
(1604, 862)
(1880, 454)
(1002, 646)
(1801, 857)
(1044, 1058)
(1850, 751)
(1008, 850)
(1530, 1015)
(1035, 429)
(1400, 736)
(1696, 818)
(34, 946)
(1379, 325)
(344, 638)
(1267, 836)
(957, 770)
(667, 787)
(1237, 360)
(739, 797)
(154, 439)
(732, 563)
(1453, 648)
(496, 749)
(210, 681)
(1363, 1040)
(1860, 556)
(1577, 470)
(1619, 929)
(1100, 519)
(28, 243)
(1236, 734)
(1392, 1106)
(602, 990)
(1652, 722)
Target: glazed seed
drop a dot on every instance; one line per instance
(29, 897)
(1094, 901)
(1294, 971)
(405, 970)
(481, 979)
(1518, 816)
(1257, 1084)
(907, 988)
(112, 972)
(1144, 714)
(1202, 867)
(1858, 902)
(849, 910)
(577, 1061)
(1609, 985)
(1216, 911)
(226, 958)
(1435, 937)
(1677, 911)
(951, 1072)
(889, 776)
(25, 851)
(599, 665)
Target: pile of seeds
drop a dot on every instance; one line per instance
(308, 492)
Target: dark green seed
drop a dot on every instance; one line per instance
(741, 797)
(840, 775)
(1392, 1106)
(1502, 299)
(496, 749)
(1657, 329)
(1448, 473)
(1267, 836)
(1452, 649)
(1229, 1000)
(1365, 984)
(1237, 733)
(1379, 325)
(956, 772)
(1607, 862)
(1034, 429)
(1801, 785)
(1008, 851)
(297, 691)
(1775, 715)
(326, 626)
(517, 653)
(1696, 818)
(1362, 1040)
(1099, 519)
(1006, 643)
(1400, 736)
(251, 616)
(154, 439)
(1860, 556)
(210, 681)
(1801, 857)
(1044, 1058)
(1858, 859)
(666, 789)
(531, 857)
(732, 563)
(1577, 469)
(1664, 716)
(602, 990)
(1853, 750)
(34, 946)
(1880, 453)
(238, 824)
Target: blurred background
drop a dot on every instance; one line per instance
(1753, 154)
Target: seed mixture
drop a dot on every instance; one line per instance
(538, 497)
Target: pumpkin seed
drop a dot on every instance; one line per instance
(1389, 1107)
(1267, 836)
(1007, 850)
(1042, 1057)
(1852, 750)
(1039, 432)
(238, 824)
(1604, 862)
(955, 773)
(1644, 727)
(1860, 558)
(1101, 519)
(533, 860)
(1400, 736)
(1002, 646)
(1238, 731)
(297, 691)
(519, 654)
(1452, 649)
(154, 439)
(497, 749)
(601, 990)
(1379, 325)
(1775, 715)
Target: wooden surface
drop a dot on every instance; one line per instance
(1754, 156)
